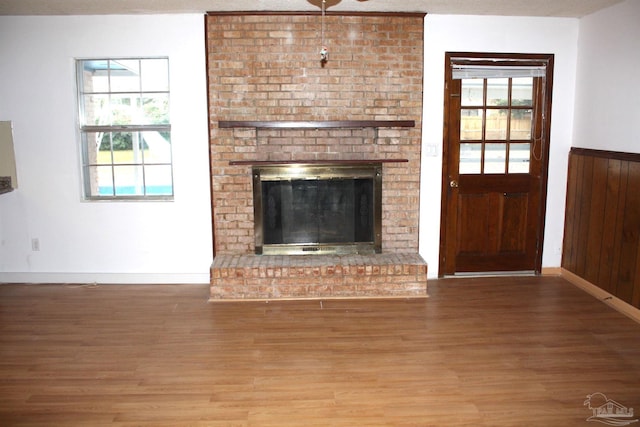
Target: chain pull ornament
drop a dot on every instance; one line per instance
(324, 52)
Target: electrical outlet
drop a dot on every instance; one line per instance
(35, 244)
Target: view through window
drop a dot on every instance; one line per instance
(495, 125)
(125, 128)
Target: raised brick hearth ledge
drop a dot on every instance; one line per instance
(268, 277)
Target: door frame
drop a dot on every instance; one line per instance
(482, 58)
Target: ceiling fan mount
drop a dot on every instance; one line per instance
(323, 5)
(327, 3)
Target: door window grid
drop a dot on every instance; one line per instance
(496, 125)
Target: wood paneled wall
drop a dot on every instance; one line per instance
(602, 221)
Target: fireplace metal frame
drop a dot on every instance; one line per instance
(315, 171)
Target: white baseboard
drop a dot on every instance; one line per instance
(604, 296)
(107, 278)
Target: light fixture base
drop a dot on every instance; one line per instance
(327, 3)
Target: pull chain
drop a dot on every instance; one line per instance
(324, 52)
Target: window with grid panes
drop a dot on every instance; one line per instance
(496, 125)
(125, 128)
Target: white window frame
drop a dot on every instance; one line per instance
(89, 188)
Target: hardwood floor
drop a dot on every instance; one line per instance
(493, 351)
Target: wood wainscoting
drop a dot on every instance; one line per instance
(602, 221)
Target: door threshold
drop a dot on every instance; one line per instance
(492, 274)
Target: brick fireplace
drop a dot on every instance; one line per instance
(271, 100)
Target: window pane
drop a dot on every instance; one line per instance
(155, 75)
(95, 76)
(125, 109)
(158, 181)
(90, 152)
(496, 124)
(472, 92)
(101, 181)
(519, 158)
(471, 124)
(495, 158)
(521, 123)
(157, 147)
(118, 162)
(96, 110)
(155, 109)
(104, 154)
(498, 92)
(522, 91)
(120, 142)
(125, 75)
(129, 180)
(470, 158)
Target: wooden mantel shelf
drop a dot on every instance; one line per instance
(312, 162)
(314, 124)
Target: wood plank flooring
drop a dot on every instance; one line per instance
(520, 351)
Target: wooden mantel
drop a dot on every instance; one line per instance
(316, 124)
(313, 162)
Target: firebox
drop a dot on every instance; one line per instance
(317, 208)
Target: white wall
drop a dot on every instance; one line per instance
(607, 109)
(497, 34)
(171, 242)
(105, 242)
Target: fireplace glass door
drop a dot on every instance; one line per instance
(305, 210)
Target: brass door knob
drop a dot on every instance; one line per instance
(453, 183)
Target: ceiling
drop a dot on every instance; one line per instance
(556, 8)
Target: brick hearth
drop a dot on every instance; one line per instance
(267, 277)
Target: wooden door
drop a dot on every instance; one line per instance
(496, 140)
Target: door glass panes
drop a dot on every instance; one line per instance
(521, 124)
(519, 158)
(496, 125)
(470, 158)
(522, 91)
(472, 92)
(471, 124)
(498, 92)
(495, 156)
